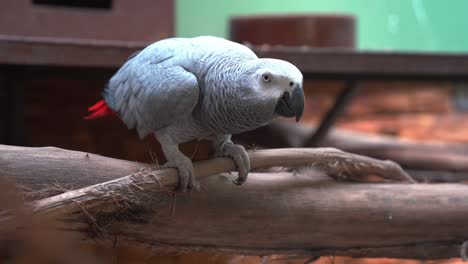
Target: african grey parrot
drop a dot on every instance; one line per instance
(180, 89)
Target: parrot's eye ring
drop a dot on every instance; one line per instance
(291, 84)
(266, 77)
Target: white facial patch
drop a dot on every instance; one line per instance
(281, 75)
(272, 92)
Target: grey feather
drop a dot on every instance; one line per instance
(195, 88)
(205, 87)
(150, 89)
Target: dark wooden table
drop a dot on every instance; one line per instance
(23, 57)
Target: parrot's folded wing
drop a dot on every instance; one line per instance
(152, 90)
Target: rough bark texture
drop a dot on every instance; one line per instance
(135, 187)
(280, 213)
(35, 167)
(447, 157)
(302, 213)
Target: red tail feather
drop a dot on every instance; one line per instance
(99, 109)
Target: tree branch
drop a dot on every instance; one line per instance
(410, 154)
(299, 213)
(336, 163)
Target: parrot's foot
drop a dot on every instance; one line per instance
(187, 180)
(240, 157)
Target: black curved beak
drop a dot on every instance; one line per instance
(292, 104)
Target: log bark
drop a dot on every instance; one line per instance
(34, 167)
(336, 163)
(302, 213)
(410, 154)
(285, 214)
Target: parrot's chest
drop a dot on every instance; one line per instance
(187, 129)
(221, 122)
(222, 116)
(235, 119)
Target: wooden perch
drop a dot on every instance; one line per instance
(299, 213)
(451, 160)
(34, 167)
(336, 163)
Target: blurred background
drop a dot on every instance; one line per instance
(393, 68)
(418, 25)
(56, 56)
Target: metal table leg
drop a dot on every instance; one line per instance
(343, 100)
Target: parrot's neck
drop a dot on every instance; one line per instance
(228, 103)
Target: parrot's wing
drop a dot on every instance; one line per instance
(151, 91)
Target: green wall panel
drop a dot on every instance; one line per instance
(425, 25)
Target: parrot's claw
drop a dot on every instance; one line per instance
(187, 181)
(241, 158)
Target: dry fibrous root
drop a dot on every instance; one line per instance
(343, 166)
(42, 191)
(334, 162)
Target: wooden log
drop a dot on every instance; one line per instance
(409, 153)
(34, 167)
(278, 213)
(414, 155)
(428, 176)
(302, 213)
(130, 188)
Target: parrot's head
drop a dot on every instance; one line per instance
(281, 83)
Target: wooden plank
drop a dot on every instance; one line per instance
(345, 63)
(312, 61)
(65, 52)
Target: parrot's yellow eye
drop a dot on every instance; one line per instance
(266, 77)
